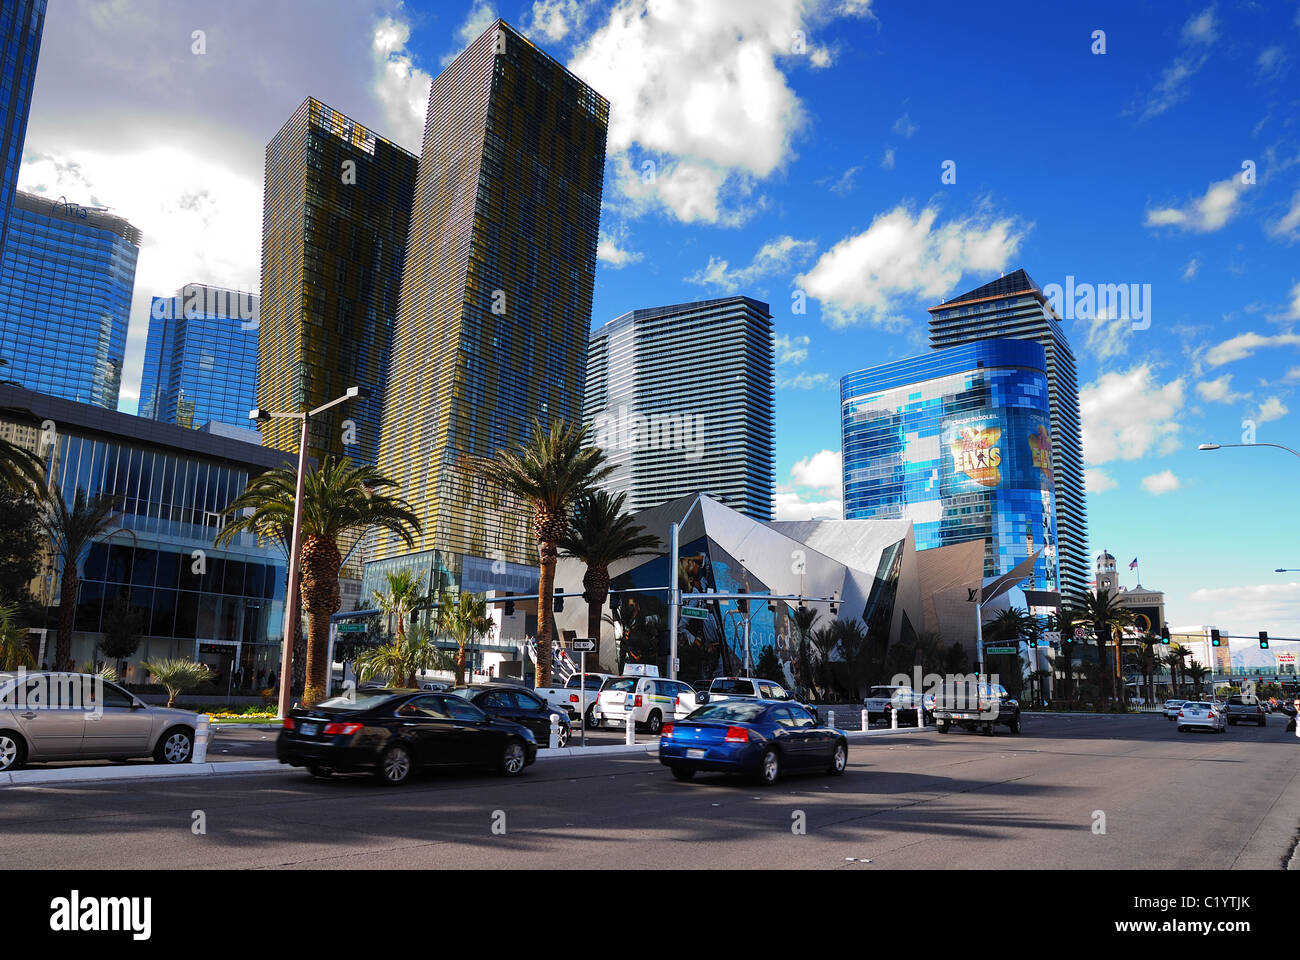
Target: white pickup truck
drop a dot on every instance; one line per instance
(576, 697)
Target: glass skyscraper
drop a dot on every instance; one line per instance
(335, 211)
(200, 361)
(681, 400)
(957, 441)
(21, 25)
(1014, 306)
(496, 296)
(65, 298)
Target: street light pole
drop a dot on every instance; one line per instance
(1217, 446)
(293, 603)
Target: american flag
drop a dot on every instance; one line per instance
(1133, 565)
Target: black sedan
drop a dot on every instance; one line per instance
(395, 732)
(508, 701)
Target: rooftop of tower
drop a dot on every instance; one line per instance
(1008, 285)
(649, 313)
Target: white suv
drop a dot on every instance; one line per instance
(881, 701)
(650, 700)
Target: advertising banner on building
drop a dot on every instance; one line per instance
(1007, 449)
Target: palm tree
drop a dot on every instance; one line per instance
(1108, 618)
(600, 534)
(549, 472)
(1012, 625)
(403, 593)
(177, 675)
(826, 638)
(20, 469)
(1197, 674)
(14, 649)
(339, 497)
(803, 620)
(1064, 621)
(464, 618)
(71, 532)
(853, 638)
(402, 658)
(1150, 643)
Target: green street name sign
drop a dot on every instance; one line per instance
(352, 628)
(997, 650)
(695, 613)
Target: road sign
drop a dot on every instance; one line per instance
(582, 646)
(1078, 633)
(1285, 657)
(695, 613)
(997, 650)
(352, 628)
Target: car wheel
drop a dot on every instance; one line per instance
(175, 746)
(395, 766)
(319, 772)
(563, 739)
(769, 768)
(942, 726)
(839, 760)
(1181, 728)
(513, 759)
(13, 751)
(988, 729)
(591, 722)
(655, 722)
(1015, 725)
(683, 773)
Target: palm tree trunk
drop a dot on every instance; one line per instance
(546, 550)
(320, 593)
(67, 617)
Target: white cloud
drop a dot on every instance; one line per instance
(1202, 28)
(1274, 607)
(1106, 336)
(1271, 409)
(1204, 214)
(1270, 61)
(707, 103)
(904, 127)
(1218, 390)
(401, 87)
(553, 20)
(845, 184)
(803, 381)
(791, 349)
(1128, 415)
(1288, 225)
(863, 278)
(1189, 271)
(1198, 34)
(887, 161)
(1292, 375)
(480, 16)
(1245, 344)
(814, 489)
(1097, 480)
(610, 249)
(777, 255)
(1161, 483)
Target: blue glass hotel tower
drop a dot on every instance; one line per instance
(958, 441)
(65, 299)
(21, 25)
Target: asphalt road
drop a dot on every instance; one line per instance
(1169, 800)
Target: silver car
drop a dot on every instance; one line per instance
(48, 716)
(1201, 715)
(1172, 707)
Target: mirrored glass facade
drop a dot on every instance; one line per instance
(65, 299)
(958, 441)
(21, 25)
(200, 362)
(496, 292)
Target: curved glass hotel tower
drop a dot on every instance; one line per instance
(959, 442)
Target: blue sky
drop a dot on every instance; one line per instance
(780, 148)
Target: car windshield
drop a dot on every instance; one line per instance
(880, 693)
(622, 685)
(1197, 705)
(730, 711)
(592, 683)
(465, 693)
(732, 686)
(362, 702)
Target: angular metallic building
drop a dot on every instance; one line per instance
(335, 211)
(1014, 306)
(200, 361)
(21, 24)
(495, 299)
(680, 398)
(65, 298)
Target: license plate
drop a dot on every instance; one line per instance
(695, 754)
(309, 729)
(627, 704)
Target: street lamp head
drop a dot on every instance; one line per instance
(1208, 446)
(259, 414)
(362, 393)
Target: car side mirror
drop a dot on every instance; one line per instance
(137, 704)
(701, 698)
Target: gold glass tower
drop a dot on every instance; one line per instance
(496, 295)
(334, 217)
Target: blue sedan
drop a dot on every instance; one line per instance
(763, 738)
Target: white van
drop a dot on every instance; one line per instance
(650, 700)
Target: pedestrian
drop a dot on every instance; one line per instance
(1292, 725)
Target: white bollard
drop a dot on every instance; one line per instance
(202, 731)
(893, 719)
(920, 714)
(629, 736)
(555, 731)
(866, 720)
(830, 719)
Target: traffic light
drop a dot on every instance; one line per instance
(1263, 639)
(1164, 635)
(742, 605)
(510, 608)
(615, 601)
(1214, 639)
(558, 605)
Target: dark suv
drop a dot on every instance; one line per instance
(975, 706)
(508, 701)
